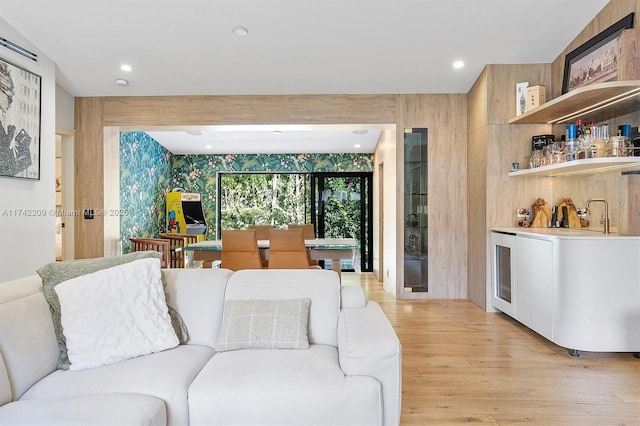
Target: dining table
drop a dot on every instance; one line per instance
(334, 249)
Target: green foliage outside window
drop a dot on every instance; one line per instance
(264, 199)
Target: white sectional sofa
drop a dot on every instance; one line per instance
(350, 374)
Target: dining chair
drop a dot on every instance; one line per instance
(308, 229)
(240, 249)
(176, 257)
(154, 244)
(262, 231)
(287, 250)
(309, 233)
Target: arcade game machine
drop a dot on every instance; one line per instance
(185, 214)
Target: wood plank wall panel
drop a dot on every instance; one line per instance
(477, 104)
(221, 110)
(476, 190)
(501, 87)
(510, 143)
(477, 216)
(505, 193)
(610, 14)
(88, 169)
(445, 117)
(493, 145)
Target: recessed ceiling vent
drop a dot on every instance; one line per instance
(18, 49)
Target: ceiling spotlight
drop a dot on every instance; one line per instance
(125, 67)
(194, 132)
(208, 147)
(360, 132)
(240, 31)
(458, 64)
(357, 145)
(121, 82)
(277, 132)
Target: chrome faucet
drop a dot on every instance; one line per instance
(606, 212)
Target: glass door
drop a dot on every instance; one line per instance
(416, 209)
(502, 271)
(343, 205)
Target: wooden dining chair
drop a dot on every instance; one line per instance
(240, 249)
(309, 233)
(262, 231)
(287, 250)
(155, 244)
(176, 258)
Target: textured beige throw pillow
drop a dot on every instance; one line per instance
(264, 324)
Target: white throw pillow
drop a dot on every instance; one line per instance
(264, 324)
(115, 314)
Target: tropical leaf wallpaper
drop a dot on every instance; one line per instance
(145, 179)
(148, 171)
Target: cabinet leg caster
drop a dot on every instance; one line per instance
(636, 355)
(574, 353)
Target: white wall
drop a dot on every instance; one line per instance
(28, 241)
(386, 153)
(64, 109)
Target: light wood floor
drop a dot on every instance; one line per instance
(463, 365)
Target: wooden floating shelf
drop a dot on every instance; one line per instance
(588, 165)
(597, 102)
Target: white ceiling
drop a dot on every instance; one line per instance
(293, 46)
(270, 139)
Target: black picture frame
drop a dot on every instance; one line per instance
(600, 49)
(20, 119)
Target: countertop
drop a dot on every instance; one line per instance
(565, 233)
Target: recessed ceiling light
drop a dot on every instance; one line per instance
(125, 67)
(357, 145)
(360, 132)
(277, 132)
(240, 31)
(208, 146)
(458, 64)
(194, 132)
(121, 82)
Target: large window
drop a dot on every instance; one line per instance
(262, 199)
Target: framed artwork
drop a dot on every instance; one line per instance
(20, 105)
(596, 61)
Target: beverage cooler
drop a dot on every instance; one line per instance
(185, 214)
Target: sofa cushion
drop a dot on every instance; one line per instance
(198, 294)
(5, 385)
(56, 272)
(166, 375)
(89, 410)
(282, 387)
(264, 324)
(321, 286)
(27, 340)
(115, 314)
